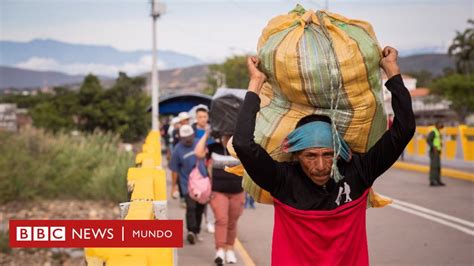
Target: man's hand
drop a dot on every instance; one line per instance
(252, 66)
(389, 62)
(257, 78)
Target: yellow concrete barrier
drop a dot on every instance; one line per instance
(159, 180)
(159, 185)
(467, 141)
(151, 148)
(150, 163)
(135, 173)
(143, 189)
(127, 261)
(444, 171)
(410, 148)
(450, 135)
(156, 157)
(153, 137)
(140, 210)
(421, 145)
(153, 256)
(149, 184)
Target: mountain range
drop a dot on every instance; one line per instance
(51, 63)
(52, 55)
(433, 63)
(18, 78)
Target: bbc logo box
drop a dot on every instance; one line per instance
(41, 233)
(95, 233)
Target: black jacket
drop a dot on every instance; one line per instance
(287, 182)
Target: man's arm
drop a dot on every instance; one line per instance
(256, 161)
(430, 139)
(200, 149)
(392, 143)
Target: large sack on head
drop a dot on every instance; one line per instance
(318, 63)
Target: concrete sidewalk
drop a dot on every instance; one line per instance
(201, 253)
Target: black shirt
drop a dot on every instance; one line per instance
(287, 182)
(223, 181)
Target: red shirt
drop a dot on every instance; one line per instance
(321, 238)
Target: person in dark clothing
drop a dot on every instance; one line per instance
(183, 119)
(183, 160)
(319, 221)
(200, 127)
(436, 145)
(227, 198)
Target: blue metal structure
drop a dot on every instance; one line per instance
(174, 104)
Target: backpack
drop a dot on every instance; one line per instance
(199, 184)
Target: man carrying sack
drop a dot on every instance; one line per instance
(320, 219)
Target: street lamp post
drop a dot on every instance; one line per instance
(157, 10)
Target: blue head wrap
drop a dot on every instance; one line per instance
(316, 134)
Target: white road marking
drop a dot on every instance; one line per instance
(433, 218)
(435, 213)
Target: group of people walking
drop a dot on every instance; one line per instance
(191, 146)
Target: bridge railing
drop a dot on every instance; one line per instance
(458, 143)
(148, 200)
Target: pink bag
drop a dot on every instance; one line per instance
(199, 186)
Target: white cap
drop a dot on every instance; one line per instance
(175, 120)
(183, 116)
(185, 131)
(201, 106)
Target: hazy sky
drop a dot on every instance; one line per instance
(213, 30)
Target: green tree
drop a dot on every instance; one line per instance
(90, 95)
(124, 108)
(121, 109)
(459, 89)
(26, 101)
(232, 74)
(462, 49)
(58, 113)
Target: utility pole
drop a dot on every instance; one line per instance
(157, 10)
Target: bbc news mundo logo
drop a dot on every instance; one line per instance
(41, 233)
(95, 233)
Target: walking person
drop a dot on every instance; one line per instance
(436, 145)
(227, 198)
(183, 160)
(200, 127)
(318, 220)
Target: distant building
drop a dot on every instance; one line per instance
(8, 118)
(427, 108)
(410, 83)
(23, 118)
